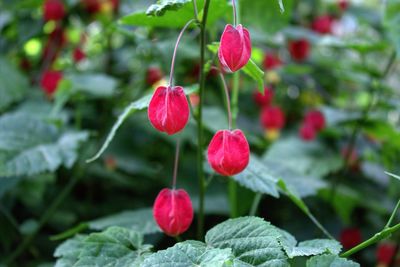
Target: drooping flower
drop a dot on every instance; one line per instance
(316, 119)
(299, 49)
(263, 99)
(173, 211)
(343, 5)
(272, 117)
(307, 132)
(271, 61)
(169, 109)
(78, 55)
(235, 47)
(228, 152)
(50, 80)
(350, 237)
(322, 24)
(385, 253)
(153, 75)
(53, 10)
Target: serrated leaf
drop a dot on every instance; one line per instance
(309, 247)
(162, 6)
(176, 16)
(190, 253)
(13, 85)
(258, 178)
(140, 221)
(137, 105)
(33, 155)
(330, 261)
(252, 240)
(114, 247)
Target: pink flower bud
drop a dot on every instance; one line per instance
(53, 10)
(263, 99)
(153, 75)
(228, 152)
(235, 47)
(50, 80)
(78, 55)
(350, 237)
(343, 5)
(307, 132)
(322, 24)
(173, 211)
(316, 119)
(299, 49)
(169, 109)
(272, 118)
(271, 61)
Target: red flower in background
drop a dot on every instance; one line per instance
(271, 61)
(235, 47)
(263, 99)
(272, 117)
(78, 55)
(228, 152)
(173, 211)
(343, 5)
(350, 237)
(56, 41)
(316, 119)
(307, 132)
(168, 109)
(299, 49)
(153, 75)
(53, 10)
(322, 24)
(50, 81)
(96, 6)
(385, 253)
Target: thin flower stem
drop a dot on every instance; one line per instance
(196, 13)
(376, 238)
(171, 75)
(200, 141)
(234, 13)
(393, 215)
(176, 163)
(256, 203)
(227, 98)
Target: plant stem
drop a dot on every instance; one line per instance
(171, 75)
(200, 142)
(45, 217)
(234, 13)
(196, 13)
(377, 237)
(256, 202)
(228, 102)
(176, 164)
(392, 216)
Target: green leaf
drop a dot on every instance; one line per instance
(162, 6)
(258, 178)
(252, 240)
(309, 247)
(255, 73)
(190, 253)
(116, 246)
(391, 23)
(265, 16)
(330, 261)
(140, 221)
(137, 105)
(13, 85)
(175, 14)
(44, 157)
(95, 85)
